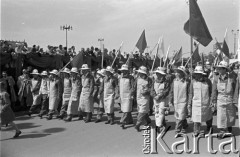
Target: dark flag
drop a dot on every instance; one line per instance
(198, 28)
(225, 49)
(177, 57)
(142, 43)
(77, 60)
(195, 56)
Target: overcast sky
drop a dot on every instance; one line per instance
(39, 21)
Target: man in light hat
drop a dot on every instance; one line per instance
(108, 89)
(35, 87)
(54, 93)
(126, 92)
(67, 88)
(159, 92)
(24, 93)
(75, 94)
(44, 92)
(223, 98)
(100, 76)
(179, 99)
(142, 87)
(199, 104)
(86, 97)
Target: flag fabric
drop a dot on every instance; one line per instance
(196, 25)
(225, 49)
(177, 57)
(77, 60)
(195, 56)
(142, 43)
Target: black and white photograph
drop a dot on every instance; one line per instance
(119, 78)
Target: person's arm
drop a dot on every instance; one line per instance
(91, 79)
(153, 92)
(7, 101)
(171, 93)
(214, 91)
(166, 90)
(101, 87)
(190, 97)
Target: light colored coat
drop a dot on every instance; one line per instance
(86, 97)
(35, 87)
(54, 93)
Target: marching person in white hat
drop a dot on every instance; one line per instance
(223, 98)
(35, 87)
(126, 92)
(108, 89)
(159, 92)
(54, 93)
(86, 97)
(67, 88)
(199, 104)
(44, 92)
(100, 76)
(179, 99)
(142, 87)
(75, 94)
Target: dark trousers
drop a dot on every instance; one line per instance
(142, 118)
(126, 118)
(181, 125)
(64, 107)
(34, 107)
(44, 104)
(197, 126)
(110, 116)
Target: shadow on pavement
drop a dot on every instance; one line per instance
(22, 136)
(54, 130)
(22, 126)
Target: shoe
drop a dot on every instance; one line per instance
(80, 117)
(122, 126)
(120, 112)
(17, 134)
(107, 122)
(68, 119)
(130, 123)
(87, 120)
(137, 128)
(40, 115)
(49, 117)
(6, 125)
(209, 130)
(195, 134)
(61, 116)
(183, 131)
(98, 120)
(112, 122)
(29, 114)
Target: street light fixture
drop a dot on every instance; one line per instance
(67, 28)
(235, 33)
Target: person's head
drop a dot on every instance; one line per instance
(180, 72)
(44, 74)
(85, 69)
(161, 73)
(35, 74)
(199, 73)
(124, 70)
(54, 74)
(66, 73)
(109, 71)
(142, 72)
(4, 74)
(222, 68)
(94, 73)
(101, 73)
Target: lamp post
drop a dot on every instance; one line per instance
(101, 47)
(67, 28)
(235, 33)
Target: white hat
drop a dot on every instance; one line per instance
(181, 69)
(110, 69)
(222, 64)
(74, 70)
(85, 67)
(142, 70)
(44, 73)
(199, 70)
(55, 72)
(101, 72)
(124, 67)
(66, 70)
(35, 72)
(161, 70)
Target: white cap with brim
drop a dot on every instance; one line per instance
(109, 69)
(142, 70)
(74, 70)
(161, 70)
(85, 67)
(55, 72)
(35, 72)
(181, 69)
(199, 70)
(124, 67)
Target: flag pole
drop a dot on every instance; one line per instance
(102, 55)
(166, 56)
(117, 54)
(155, 55)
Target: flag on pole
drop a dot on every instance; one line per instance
(77, 60)
(198, 28)
(177, 58)
(142, 43)
(195, 56)
(225, 49)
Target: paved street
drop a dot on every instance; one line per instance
(56, 138)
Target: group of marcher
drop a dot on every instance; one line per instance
(72, 93)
